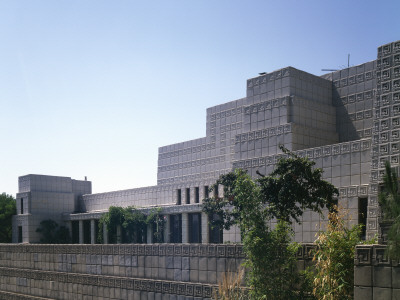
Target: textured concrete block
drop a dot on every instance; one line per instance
(194, 263)
(177, 262)
(203, 264)
(185, 263)
(177, 275)
(382, 293)
(382, 277)
(396, 294)
(396, 277)
(363, 276)
(169, 261)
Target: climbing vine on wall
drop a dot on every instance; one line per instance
(129, 225)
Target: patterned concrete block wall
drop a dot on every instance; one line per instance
(156, 271)
(345, 165)
(375, 276)
(386, 123)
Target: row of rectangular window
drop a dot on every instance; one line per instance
(196, 195)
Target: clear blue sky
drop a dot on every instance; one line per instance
(93, 88)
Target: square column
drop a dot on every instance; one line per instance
(185, 228)
(167, 232)
(80, 231)
(204, 228)
(149, 234)
(92, 232)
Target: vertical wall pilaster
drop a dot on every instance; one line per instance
(149, 234)
(105, 234)
(385, 146)
(204, 228)
(185, 228)
(167, 229)
(92, 232)
(80, 231)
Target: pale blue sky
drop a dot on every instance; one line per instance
(93, 88)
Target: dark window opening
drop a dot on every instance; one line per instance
(96, 231)
(196, 195)
(206, 191)
(175, 229)
(179, 197)
(188, 196)
(22, 206)
(216, 191)
(362, 215)
(86, 232)
(215, 233)
(19, 234)
(75, 232)
(195, 228)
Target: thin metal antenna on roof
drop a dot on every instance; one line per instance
(334, 70)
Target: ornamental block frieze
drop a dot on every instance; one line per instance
(379, 256)
(363, 255)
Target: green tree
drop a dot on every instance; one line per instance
(7, 210)
(332, 277)
(282, 196)
(52, 233)
(389, 199)
(132, 223)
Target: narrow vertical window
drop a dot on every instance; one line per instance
(216, 191)
(196, 195)
(206, 191)
(362, 215)
(195, 228)
(22, 206)
(179, 197)
(19, 234)
(188, 196)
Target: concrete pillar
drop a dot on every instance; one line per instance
(149, 234)
(167, 229)
(92, 232)
(185, 228)
(105, 234)
(80, 231)
(204, 228)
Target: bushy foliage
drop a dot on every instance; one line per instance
(52, 233)
(7, 210)
(230, 287)
(252, 204)
(389, 199)
(333, 275)
(133, 224)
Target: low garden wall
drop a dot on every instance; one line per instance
(149, 271)
(154, 271)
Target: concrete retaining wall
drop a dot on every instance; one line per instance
(155, 271)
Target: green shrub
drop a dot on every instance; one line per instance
(333, 275)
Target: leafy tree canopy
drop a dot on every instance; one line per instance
(293, 186)
(52, 233)
(133, 224)
(389, 200)
(7, 210)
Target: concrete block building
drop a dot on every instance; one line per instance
(347, 121)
